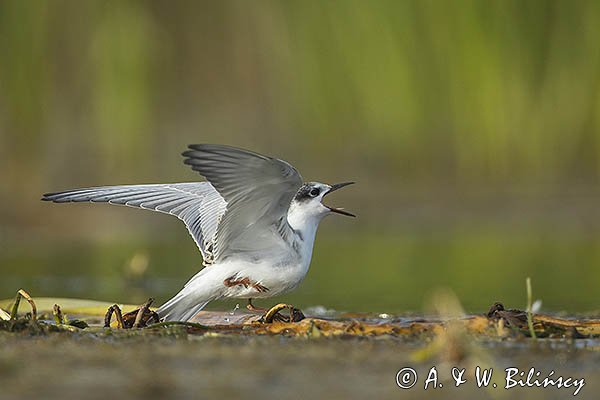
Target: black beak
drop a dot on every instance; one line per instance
(335, 187)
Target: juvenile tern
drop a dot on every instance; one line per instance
(253, 219)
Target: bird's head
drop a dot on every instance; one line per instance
(308, 202)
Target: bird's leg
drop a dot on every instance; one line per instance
(252, 307)
(273, 314)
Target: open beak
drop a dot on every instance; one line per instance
(339, 210)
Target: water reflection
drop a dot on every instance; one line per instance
(383, 274)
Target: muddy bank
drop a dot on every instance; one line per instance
(179, 365)
(338, 355)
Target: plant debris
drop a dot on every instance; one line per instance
(29, 322)
(544, 325)
(138, 318)
(498, 322)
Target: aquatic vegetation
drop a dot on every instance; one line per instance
(498, 322)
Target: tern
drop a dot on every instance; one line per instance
(254, 220)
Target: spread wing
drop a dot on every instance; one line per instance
(258, 191)
(197, 204)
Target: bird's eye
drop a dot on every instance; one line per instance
(315, 192)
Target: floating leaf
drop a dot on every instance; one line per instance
(68, 305)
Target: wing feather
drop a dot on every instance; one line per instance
(257, 190)
(242, 208)
(197, 204)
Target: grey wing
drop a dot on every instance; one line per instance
(197, 204)
(258, 191)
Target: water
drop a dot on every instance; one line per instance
(267, 367)
(381, 273)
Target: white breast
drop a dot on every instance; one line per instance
(280, 270)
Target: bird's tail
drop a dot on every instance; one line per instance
(182, 307)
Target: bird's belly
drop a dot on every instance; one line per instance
(265, 280)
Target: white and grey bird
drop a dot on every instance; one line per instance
(254, 221)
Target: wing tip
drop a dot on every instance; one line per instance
(58, 197)
(49, 196)
(219, 148)
(197, 146)
(207, 147)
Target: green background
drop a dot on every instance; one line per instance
(471, 127)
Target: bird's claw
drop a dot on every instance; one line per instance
(251, 307)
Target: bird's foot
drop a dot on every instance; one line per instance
(273, 314)
(253, 308)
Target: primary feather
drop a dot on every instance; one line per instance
(197, 204)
